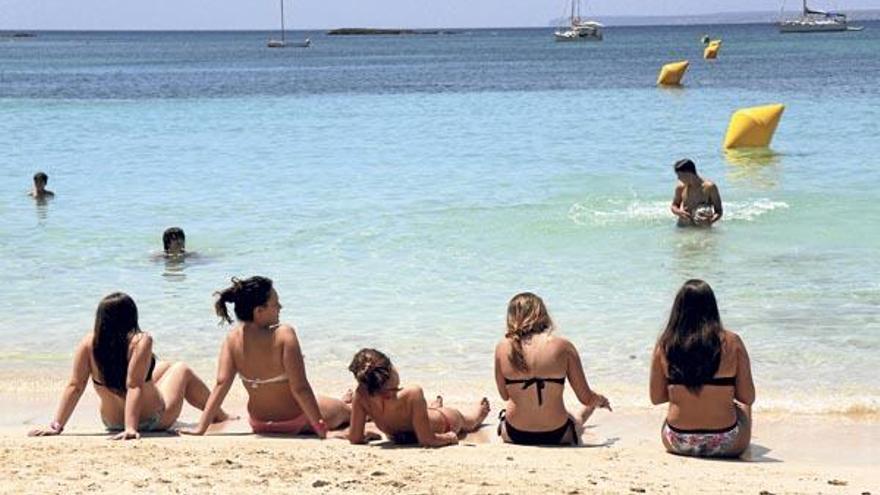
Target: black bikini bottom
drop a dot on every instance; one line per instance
(552, 437)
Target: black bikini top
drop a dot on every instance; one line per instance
(147, 379)
(539, 384)
(724, 381)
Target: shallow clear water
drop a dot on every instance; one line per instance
(400, 190)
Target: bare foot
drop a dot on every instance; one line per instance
(437, 403)
(223, 416)
(348, 396)
(584, 414)
(475, 417)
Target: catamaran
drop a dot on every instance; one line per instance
(579, 29)
(282, 43)
(816, 21)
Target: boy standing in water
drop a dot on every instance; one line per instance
(696, 201)
(39, 191)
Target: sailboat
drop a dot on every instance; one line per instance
(816, 21)
(579, 29)
(282, 43)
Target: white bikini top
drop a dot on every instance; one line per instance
(256, 382)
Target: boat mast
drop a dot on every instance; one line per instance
(282, 19)
(572, 10)
(805, 7)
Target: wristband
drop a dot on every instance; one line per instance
(56, 427)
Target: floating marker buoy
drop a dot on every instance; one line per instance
(671, 74)
(711, 50)
(753, 127)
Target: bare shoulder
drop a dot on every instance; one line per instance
(709, 186)
(561, 345)
(502, 347)
(412, 394)
(142, 340)
(731, 340)
(286, 334)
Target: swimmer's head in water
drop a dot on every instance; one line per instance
(40, 180)
(685, 166)
(254, 300)
(526, 315)
(174, 240)
(115, 320)
(374, 371)
(691, 341)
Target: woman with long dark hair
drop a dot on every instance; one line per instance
(704, 372)
(138, 393)
(268, 357)
(531, 366)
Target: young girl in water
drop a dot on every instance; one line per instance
(138, 393)
(403, 413)
(267, 355)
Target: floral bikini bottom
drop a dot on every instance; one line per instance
(704, 443)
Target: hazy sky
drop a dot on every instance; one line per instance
(315, 14)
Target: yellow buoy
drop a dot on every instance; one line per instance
(753, 127)
(711, 50)
(671, 74)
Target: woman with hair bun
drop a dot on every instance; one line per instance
(703, 371)
(267, 355)
(138, 392)
(531, 366)
(403, 413)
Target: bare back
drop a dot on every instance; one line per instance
(260, 355)
(547, 356)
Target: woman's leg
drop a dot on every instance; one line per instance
(178, 383)
(473, 417)
(336, 413)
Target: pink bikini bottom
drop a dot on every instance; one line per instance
(293, 426)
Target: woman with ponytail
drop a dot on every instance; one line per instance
(268, 357)
(704, 372)
(531, 366)
(403, 413)
(138, 393)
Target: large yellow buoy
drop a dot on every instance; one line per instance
(671, 74)
(711, 50)
(753, 127)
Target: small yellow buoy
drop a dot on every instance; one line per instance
(671, 74)
(753, 127)
(711, 50)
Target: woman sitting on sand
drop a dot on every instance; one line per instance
(402, 413)
(268, 357)
(531, 366)
(138, 393)
(703, 371)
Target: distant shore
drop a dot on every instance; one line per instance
(384, 32)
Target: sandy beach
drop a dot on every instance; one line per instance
(622, 454)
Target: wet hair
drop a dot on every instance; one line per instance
(41, 177)
(685, 165)
(526, 315)
(371, 368)
(245, 295)
(172, 234)
(116, 320)
(691, 341)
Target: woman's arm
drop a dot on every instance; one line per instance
(575, 373)
(422, 425)
(499, 376)
(358, 419)
(299, 385)
(226, 372)
(134, 382)
(659, 389)
(79, 378)
(745, 386)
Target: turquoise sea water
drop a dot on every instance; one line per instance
(400, 190)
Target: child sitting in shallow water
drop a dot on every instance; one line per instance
(402, 413)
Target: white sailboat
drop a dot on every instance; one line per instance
(282, 43)
(579, 29)
(816, 21)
